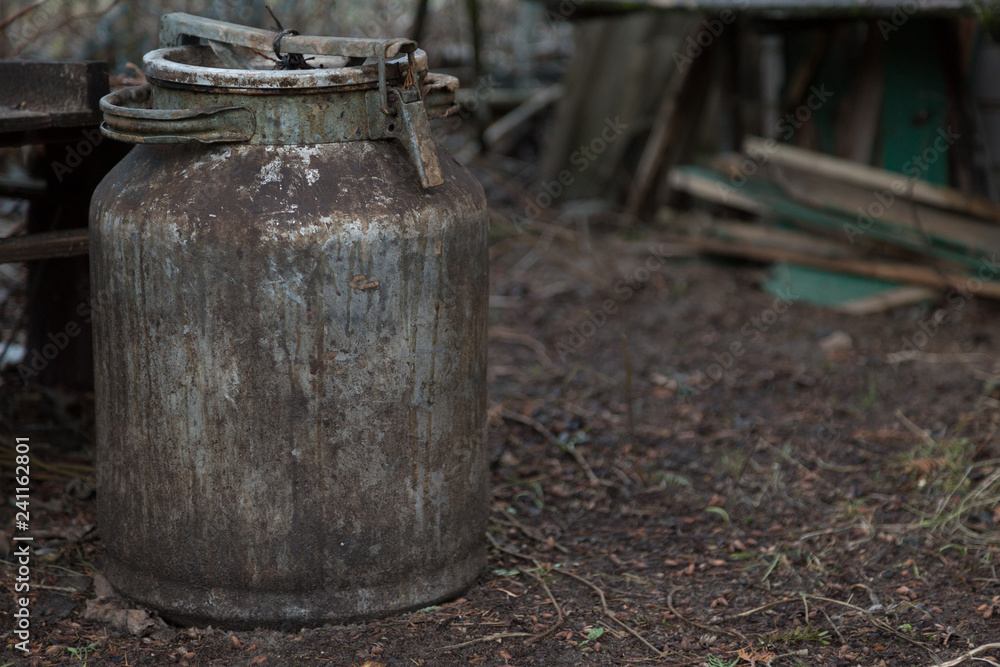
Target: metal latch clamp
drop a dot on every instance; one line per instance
(409, 126)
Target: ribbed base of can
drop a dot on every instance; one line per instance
(185, 603)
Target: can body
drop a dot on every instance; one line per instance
(291, 400)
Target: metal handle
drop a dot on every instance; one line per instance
(176, 28)
(127, 117)
(179, 28)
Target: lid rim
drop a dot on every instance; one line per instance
(158, 66)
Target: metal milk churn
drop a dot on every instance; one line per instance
(290, 318)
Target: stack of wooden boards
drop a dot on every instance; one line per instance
(837, 215)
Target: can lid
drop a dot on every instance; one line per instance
(231, 89)
(242, 58)
(199, 65)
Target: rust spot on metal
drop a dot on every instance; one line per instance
(361, 283)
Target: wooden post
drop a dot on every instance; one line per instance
(54, 106)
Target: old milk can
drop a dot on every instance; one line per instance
(290, 318)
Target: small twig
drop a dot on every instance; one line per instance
(607, 612)
(488, 638)
(518, 338)
(915, 430)
(640, 473)
(559, 621)
(79, 470)
(787, 457)
(881, 625)
(587, 582)
(540, 427)
(937, 357)
(966, 655)
(826, 531)
(673, 610)
(510, 520)
(871, 594)
(761, 608)
(833, 625)
(61, 589)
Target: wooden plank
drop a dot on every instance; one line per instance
(502, 98)
(895, 298)
(24, 188)
(620, 92)
(496, 133)
(690, 181)
(46, 245)
(869, 177)
(785, 239)
(907, 217)
(70, 88)
(907, 273)
(798, 85)
(16, 120)
(767, 198)
(656, 145)
(794, 241)
(675, 122)
(858, 123)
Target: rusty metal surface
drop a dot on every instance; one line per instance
(291, 355)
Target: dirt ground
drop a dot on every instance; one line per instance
(686, 470)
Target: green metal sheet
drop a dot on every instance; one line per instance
(822, 287)
(915, 103)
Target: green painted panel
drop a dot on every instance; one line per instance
(821, 287)
(915, 102)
